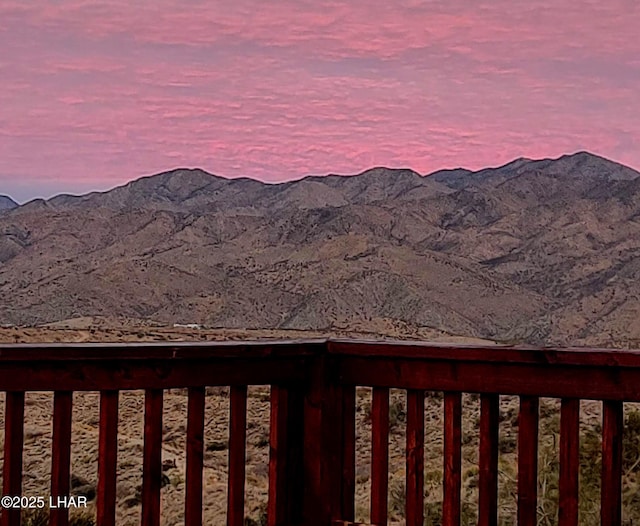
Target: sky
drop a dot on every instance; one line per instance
(95, 94)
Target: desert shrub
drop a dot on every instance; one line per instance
(260, 518)
(217, 445)
(397, 413)
(471, 477)
(433, 514)
(262, 440)
(507, 444)
(35, 517)
(590, 470)
(397, 497)
(81, 518)
(631, 441)
(40, 517)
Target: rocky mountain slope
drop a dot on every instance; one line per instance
(537, 251)
(6, 203)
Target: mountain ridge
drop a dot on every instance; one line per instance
(537, 251)
(6, 203)
(576, 157)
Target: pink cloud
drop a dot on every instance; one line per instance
(107, 92)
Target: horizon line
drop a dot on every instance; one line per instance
(302, 178)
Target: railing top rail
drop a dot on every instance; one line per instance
(413, 350)
(391, 349)
(159, 350)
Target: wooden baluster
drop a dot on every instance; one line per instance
(13, 444)
(528, 461)
(61, 456)
(488, 461)
(452, 459)
(348, 452)
(611, 496)
(237, 455)
(379, 455)
(279, 490)
(569, 461)
(195, 458)
(152, 458)
(414, 503)
(107, 459)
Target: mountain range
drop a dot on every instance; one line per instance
(6, 203)
(543, 252)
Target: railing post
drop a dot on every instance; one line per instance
(286, 448)
(328, 465)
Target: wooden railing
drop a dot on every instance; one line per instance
(312, 427)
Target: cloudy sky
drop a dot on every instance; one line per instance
(97, 93)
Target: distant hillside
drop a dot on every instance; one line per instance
(539, 251)
(6, 203)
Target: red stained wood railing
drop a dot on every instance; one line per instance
(452, 459)
(488, 460)
(61, 455)
(611, 489)
(13, 443)
(347, 396)
(107, 459)
(285, 456)
(195, 457)
(313, 415)
(237, 455)
(528, 461)
(379, 455)
(414, 504)
(152, 457)
(569, 461)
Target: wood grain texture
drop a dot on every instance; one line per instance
(107, 459)
(61, 455)
(379, 455)
(488, 460)
(326, 491)
(531, 379)
(152, 458)
(13, 446)
(237, 455)
(611, 488)
(121, 374)
(174, 351)
(315, 505)
(452, 459)
(195, 457)
(348, 398)
(451, 352)
(569, 462)
(286, 449)
(414, 503)
(528, 461)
